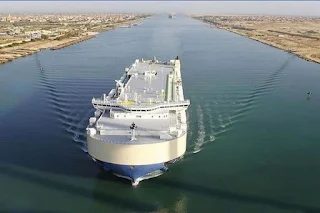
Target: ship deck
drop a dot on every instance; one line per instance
(147, 131)
(146, 86)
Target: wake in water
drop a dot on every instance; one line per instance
(65, 105)
(248, 102)
(218, 122)
(215, 126)
(201, 130)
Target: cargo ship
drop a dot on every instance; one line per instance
(172, 15)
(140, 126)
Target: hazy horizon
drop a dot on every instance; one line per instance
(301, 8)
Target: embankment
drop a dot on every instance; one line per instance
(276, 44)
(72, 42)
(300, 45)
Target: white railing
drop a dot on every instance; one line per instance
(99, 103)
(162, 129)
(156, 140)
(129, 132)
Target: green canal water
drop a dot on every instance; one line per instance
(257, 132)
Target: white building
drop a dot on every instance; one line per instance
(35, 35)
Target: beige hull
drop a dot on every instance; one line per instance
(137, 154)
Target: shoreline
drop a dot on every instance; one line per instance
(69, 43)
(271, 44)
(9, 54)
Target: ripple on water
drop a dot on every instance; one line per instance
(226, 105)
(68, 98)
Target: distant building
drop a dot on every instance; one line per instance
(35, 35)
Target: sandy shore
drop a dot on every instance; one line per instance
(8, 54)
(299, 36)
(306, 53)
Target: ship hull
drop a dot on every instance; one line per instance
(134, 173)
(118, 158)
(141, 125)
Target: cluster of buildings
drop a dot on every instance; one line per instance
(241, 18)
(19, 32)
(63, 18)
(27, 27)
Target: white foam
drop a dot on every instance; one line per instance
(201, 130)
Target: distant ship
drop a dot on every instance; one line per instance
(140, 126)
(172, 15)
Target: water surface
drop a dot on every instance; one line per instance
(249, 116)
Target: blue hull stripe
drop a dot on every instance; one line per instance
(133, 172)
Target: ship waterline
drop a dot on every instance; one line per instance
(141, 125)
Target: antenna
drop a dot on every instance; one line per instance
(133, 127)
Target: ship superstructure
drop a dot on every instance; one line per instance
(172, 15)
(140, 126)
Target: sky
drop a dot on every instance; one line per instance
(310, 8)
